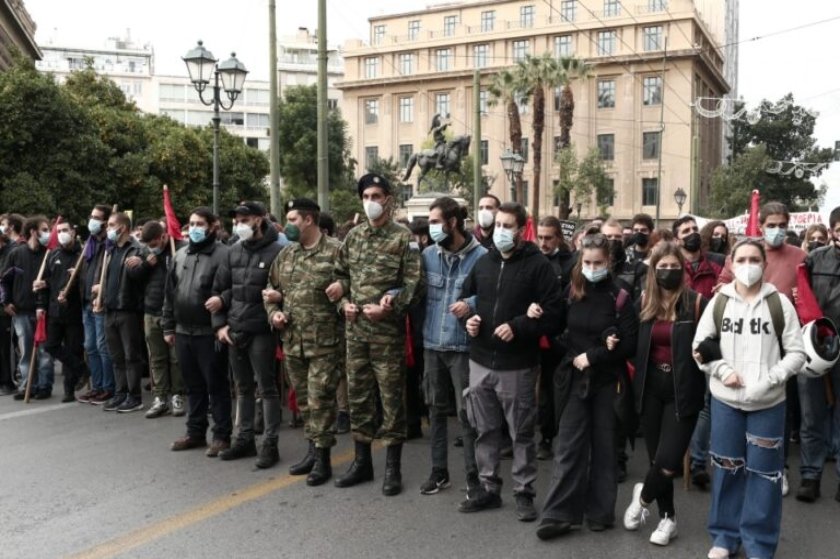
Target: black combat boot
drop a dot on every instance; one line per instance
(322, 469)
(392, 483)
(268, 455)
(360, 470)
(304, 466)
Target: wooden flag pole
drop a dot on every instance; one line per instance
(31, 372)
(63, 293)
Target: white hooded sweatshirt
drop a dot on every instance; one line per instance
(749, 346)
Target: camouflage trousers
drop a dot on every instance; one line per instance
(315, 380)
(370, 366)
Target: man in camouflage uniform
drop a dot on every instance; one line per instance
(378, 277)
(297, 305)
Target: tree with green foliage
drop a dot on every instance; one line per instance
(506, 89)
(585, 179)
(733, 184)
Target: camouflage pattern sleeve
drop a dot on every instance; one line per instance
(275, 283)
(413, 287)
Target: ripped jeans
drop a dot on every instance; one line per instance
(748, 459)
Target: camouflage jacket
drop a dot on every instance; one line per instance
(372, 262)
(302, 276)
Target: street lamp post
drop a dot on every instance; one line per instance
(680, 197)
(231, 74)
(578, 206)
(513, 165)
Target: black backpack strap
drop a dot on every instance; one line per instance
(720, 306)
(777, 315)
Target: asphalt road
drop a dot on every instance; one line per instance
(75, 481)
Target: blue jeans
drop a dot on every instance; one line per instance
(747, 452)
(817, 418)
(96, 347)
(699, 447)
(24, 324)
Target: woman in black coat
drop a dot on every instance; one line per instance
(669, 387)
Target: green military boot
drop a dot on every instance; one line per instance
(322, 469)
(392, 484)
(360, 470)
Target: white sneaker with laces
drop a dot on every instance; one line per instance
(158, 408)
(785, 483)
(178, 405)
(636, 514)
(665, 532)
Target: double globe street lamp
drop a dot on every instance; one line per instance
(513, 165)
(202, 67)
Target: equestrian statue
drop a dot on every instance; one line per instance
(446, 156)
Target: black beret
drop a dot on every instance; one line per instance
(248, 208)
(305, 204)
(372, 179)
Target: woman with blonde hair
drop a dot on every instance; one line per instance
(816, 236)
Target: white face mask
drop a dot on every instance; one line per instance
(485, 219)
(64, 238)
(244, 231)
(749, 274)
(373, 210)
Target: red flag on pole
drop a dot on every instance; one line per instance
(41, 329)
(173, 226)
(752, 222)
(53, 244)
(529, 234)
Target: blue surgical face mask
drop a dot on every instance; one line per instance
(504, 239)
(437, 233)
(112, 235)
(197, 234)
(595, 275)
(774, 236)
(94, 226)
(44, 238)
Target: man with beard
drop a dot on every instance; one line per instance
(702, 274)
(488, 205)
(639, 248)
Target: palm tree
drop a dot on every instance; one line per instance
(505, 89)
(568, 68)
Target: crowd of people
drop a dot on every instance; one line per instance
(687, 337)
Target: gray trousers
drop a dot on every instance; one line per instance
(124, 332)
(254, 358)
(441, 369)
(493, 396)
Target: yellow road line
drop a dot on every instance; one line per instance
(193, 516)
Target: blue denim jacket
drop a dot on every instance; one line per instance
(445, 276)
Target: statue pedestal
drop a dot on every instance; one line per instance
(418, 205)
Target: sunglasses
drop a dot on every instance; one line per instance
(595, 241)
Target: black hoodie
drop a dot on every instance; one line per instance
(504, 289)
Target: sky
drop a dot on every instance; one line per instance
(803, 62)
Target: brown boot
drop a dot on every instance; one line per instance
(187, 443)
(216, 447)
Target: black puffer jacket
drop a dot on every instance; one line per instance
(240, 283)
(504, 290)
(562, 263)
(56, 274)
(689, 380)
(189, 284)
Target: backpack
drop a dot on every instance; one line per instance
(776, 314)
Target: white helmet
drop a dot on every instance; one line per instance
(822, 347)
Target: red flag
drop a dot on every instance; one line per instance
(529, 234)
(752, 223)
(173, 226)
(53, 244)
(41, 329)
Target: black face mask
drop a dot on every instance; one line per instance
(641, 239)
(716, 245)
(669, 279)
(813, 245)
(617, 251)
(692, 242)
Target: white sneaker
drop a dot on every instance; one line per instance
(665, 532)
(636, 514)
(158, 408)
(785, 484)
(178, 405)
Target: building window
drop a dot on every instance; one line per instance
(521, 101)
(332, 104)
(233, 119)
(650, 145)
(442, 104)
(371, 156)
(449, 23)
(406, 150)
(442, 59)
(612, 8)
(523, 149)
(371, 67)
(606, 94)
(651, 90)
(413, 29)
(257, 96)
(649, 192)
(558, 145)
(606, 43)
(480, 56)
(378, 34)
(371, 111)
(520, 50)
(562, 46)
(606, 146)
(657, 5)
(257, 120)
(567, 10)
(652, 38)
(482, 102)
(526, 16)
(406, 109)
(484, 152)
(406, 64)
(488, 20)
(171, 92)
